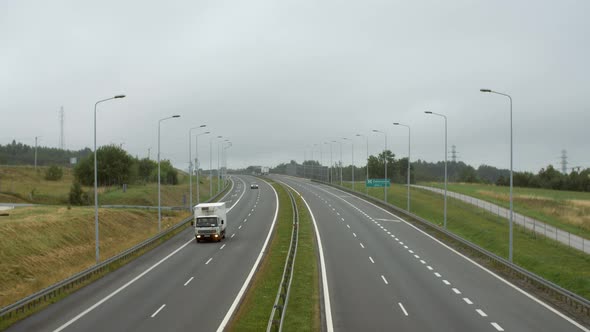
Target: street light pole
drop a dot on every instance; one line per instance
(197, 163)
(352, 167)
(367, 175)
(445, 208)
(190, 165)
(211, 164)
(510, 251)
(97, 249)
(409, 140)
(219, 177)
(36, 137)
(159, 193)
(385, 161)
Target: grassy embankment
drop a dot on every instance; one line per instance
(566, 210)
(43, 245)
(25, 185)
(552, 260)
(303, 308)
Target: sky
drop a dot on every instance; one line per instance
(279, 79)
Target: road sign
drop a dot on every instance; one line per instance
(378, 183)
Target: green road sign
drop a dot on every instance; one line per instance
(378, 183)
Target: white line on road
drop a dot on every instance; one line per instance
(371, 259)
(446, 282)
(354, 234)
(384, 280)
(456, 291)
(362, 245)
(417, 257)
(404, 246)
(234, 234)
(347, 225)
(468, 301)
(245, 219)
(429, 267)
(411, 251)
(481, 313)
(210, 259)
(422, 261)
(437, 274)
(157, 311)
(342, 219)
(223, 246)
(240, 227)
(188, 281)
(403, 309)
(498, 327)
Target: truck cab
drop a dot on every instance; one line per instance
(210, 221)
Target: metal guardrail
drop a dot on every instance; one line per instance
(574, 300)
(282, 299)
(48, 294)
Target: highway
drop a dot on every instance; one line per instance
(385, 274)
(180, 285)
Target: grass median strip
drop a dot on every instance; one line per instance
(303, 310)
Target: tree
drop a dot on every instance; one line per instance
(77, 196)
(114, 167)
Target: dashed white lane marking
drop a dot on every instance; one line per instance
(411, 251)
(446, 282)
(157, 311)
(188, 281)
(403, 309)
(371, 259)
(498, 327)
(402, 243)
(210, 259)
(362, 245)
(384, 280)
(240, 227)
(396, 239)
(456, 291)
(223, 246)
(481, 313)
(354, 234)
(429, 267)
(348, 226)
(342, 219)
(234, 234)
(249, 214)
(437, 274)
(245, 219)
(252, 210)
(404, 246)
(337, 213)
(417, 257)
(467, 300)
(422, 261)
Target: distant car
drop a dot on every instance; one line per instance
(253, 186)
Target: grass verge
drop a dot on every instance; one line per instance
(566, 210)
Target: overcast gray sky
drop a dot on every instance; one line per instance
(276, 77)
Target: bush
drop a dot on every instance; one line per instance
(114, 167)
(54, 173)
(77, 195)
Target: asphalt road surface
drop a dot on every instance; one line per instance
(180, 285)
(384, 274)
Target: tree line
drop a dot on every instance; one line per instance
(547, 178)
(23, 154)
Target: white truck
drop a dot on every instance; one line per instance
(210, 221)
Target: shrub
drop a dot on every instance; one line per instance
(54, 173)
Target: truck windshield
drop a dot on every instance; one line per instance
(207, 222)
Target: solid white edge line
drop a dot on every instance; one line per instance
(157, 311)
(530, 296)
(188, 281)
(106, 298)
(325, 290)
(242, 291)
(403, 309)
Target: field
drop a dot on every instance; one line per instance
(567, 210)
(25, 185)
(43, 245)
(553, 261)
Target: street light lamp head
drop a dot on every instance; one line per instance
(202, 126)
(176, 116)
(428, 112)
(485, 90)
(359, 135)
(207, 132)
(396, 123)
(120, 96)
(376, 131)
